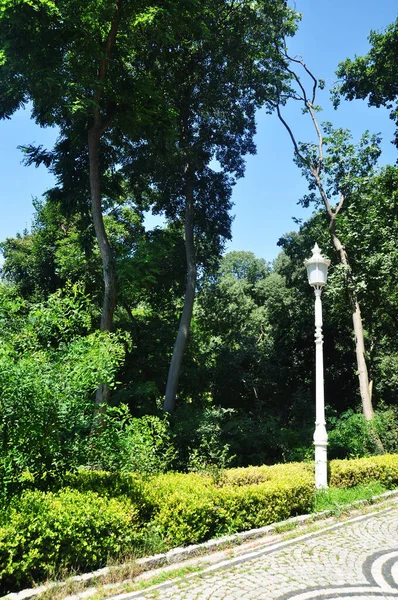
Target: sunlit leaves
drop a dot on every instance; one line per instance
(344, 165)
(373, 76)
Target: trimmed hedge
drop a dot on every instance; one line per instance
(113, 485)
(249, 475)
(257, 505)
(185, 511)
(44, 534)
(190, 508)
(349, 473)
(102, 515)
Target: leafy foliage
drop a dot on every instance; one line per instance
(50, 367)
(373, 76)
(191, 508)
(345, 165)
(177, 110)
(44, 535)
(352, 436)
(350, 473)
(121, 443)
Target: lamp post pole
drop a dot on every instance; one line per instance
(317, 267)
(320, 434)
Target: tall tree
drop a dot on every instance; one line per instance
(369, 227)
(214, 74)
(373, 76)
(333, 167)
(87, 68)
(75, 62)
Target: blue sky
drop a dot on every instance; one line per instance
(266, 199)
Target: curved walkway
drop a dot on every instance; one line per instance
(356, 559)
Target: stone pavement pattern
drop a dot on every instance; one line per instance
(356, 559)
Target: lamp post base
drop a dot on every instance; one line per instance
(321, 466)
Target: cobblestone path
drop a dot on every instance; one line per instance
(356, 559)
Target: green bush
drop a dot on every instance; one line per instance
(131, 486)
(257, 505)
(190, 508)
(124, 443)
(184, 507)
(245, 475)
(350, 473)
(258, 496)
(50, 367)
(386, 426)
(45, 534)
(348, 436)
(102, 515)
(249, 475)
(199, 438)
(352, 436)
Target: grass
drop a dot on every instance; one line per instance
(127, 587)
(335, 498)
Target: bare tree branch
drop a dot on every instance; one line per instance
(340, 204)
(306, 69)
(320, 138)
(324, 197)
(298, 81)
(290, 132)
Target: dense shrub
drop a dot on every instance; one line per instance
(50, 367)
(249, 475)
(44, 534)
(124, 443)
(190, 508)
(184, 508)
(215, 437)
(258, 496)
(101, 515)
(113, 485)
(347, 436)
(349, 473)
(257, 505)
(386, 426)
(245, 475)
(199, 437)
(352, 436)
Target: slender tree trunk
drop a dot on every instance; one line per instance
(364, 387)
(99, 125)
(363, 376)
(185, 321)
(108, 261)
(315, 168)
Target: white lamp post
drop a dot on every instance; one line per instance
(317, 269)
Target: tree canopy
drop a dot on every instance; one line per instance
(160, 90)
(156, 108)
(374, 76)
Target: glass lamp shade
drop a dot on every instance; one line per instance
(317, 268)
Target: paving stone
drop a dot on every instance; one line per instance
(355, 559)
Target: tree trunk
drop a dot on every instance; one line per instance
(315, 168)
(108, 261)
(364, 386)
(363, 377)
(185, 322)
(99, 125)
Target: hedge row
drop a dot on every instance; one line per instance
(99, 515)
(190, 508)
(349, 473)
(45, 534)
